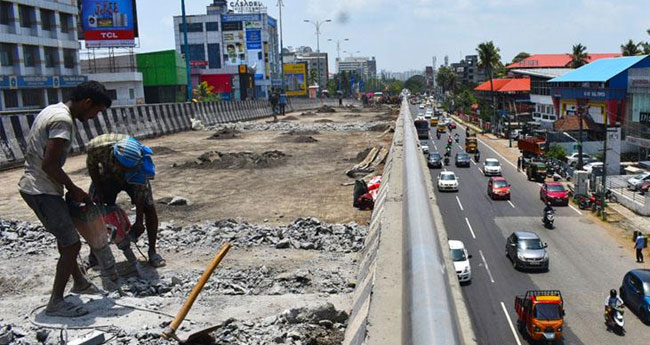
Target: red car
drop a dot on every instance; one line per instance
(498, 187)
(555, 193)
(451, 125)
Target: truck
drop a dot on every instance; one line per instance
(531, 146)
(422, 127)
(540, 315)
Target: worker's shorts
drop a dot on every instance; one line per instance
(53, 213)
(111, 190)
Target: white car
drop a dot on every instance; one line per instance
(589, 167)
(491, 167)
(447, 181)
(461, 260)
(424, 144)
(635, 182)
(421, 106)
(572, 159)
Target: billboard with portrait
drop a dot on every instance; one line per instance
(234, 48)
(295, 76)
(108, 23)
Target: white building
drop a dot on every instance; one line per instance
(365, 66)
(120, 76)
(540, 92)
(39, 52)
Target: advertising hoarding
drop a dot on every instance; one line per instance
(295, 76)
(234, 48)
(108, 23)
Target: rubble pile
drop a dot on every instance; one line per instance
(295, 126)
(303, 233)
(248, 281)
(324, 121)
(236, 160)
(325, 109)
(23, 238)
(225, 133)
(351, 108)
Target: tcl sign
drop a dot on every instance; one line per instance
(108, 35)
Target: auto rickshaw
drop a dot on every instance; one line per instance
(536, 171)
(441, 128)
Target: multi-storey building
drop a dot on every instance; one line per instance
(364, 66)
(39, 52)
(468, 70)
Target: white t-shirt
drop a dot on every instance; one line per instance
(52, 122)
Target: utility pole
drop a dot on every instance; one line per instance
(581, 108)
(280, 5)
(186, 49)
(318, 24)
(603, 194)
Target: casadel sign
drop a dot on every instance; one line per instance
(244, 6)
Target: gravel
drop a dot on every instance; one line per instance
(289, 126)
(303, 233)
(19, 238)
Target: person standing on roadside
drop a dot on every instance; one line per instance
(44, 180)
(273, 99)
(518, 163)
(283, 102)
(639, 244)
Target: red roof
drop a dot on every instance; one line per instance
(506, 85)
(555, 60)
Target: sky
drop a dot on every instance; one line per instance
(405, 34)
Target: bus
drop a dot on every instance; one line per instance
(422, 127)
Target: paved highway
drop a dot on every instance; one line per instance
(585, 261)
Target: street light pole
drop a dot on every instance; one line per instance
(280, 5)
(186, 49)
(318, 24)
(338, 46)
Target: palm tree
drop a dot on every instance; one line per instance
(446, 78)
(488, 59)
(579, 56)
(630, 48)
(646, 47)
(520, 57)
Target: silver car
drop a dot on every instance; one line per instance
(526, 250)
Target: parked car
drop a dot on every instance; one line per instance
(645, 187)
(462, 159)
(424, 144)
(447, 181)
(498, 187)
(491, 167)
(461, 260)
(589, 167)
(572, 159)
(635, 292)
(635, 182)
(434, 160)
(555, 193)
(526, 250)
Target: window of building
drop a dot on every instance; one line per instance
(214, 55)
(212, 26)
(48, 22)
(6, 12)
(51, 57)
(52, 96)
(32, 97)
(131, 93)
(7, 54)
(30, 55)
(11, 98)
(27, 16)
(191, 27)
(112, 94)
(66, 22)
(69, 58)
(197, 52)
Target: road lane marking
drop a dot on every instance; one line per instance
(575, 209)
(470, 228)
(511, 204)
(512, 327)
(486, 266)
(459, 204)
(471, 160)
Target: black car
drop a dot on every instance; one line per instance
(462, 160)
(434, 160)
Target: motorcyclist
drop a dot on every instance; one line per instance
(438, 135)
(612, 302)
(449, 141)
(548, 208)
(477, 156)
(457, 137)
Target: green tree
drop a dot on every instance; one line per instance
(630, 48)
(416, 83)
(395, 87)
(646, 47)
(489, 59)
(204, 93)
(579, 56)
(312, 79)
(447, 79)
(520, 57)
(556, 152)
(332, 85)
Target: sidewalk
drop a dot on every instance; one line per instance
(626, 219)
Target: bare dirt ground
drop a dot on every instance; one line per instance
(256, 282)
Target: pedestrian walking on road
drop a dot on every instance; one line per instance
(283, 102)
(273, 99)
(42, 186)
(639, 244)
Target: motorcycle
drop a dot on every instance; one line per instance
(614, 320)
(446, 160)
(548, 219)
(438, 136)
(457, 138)
(477, 157)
